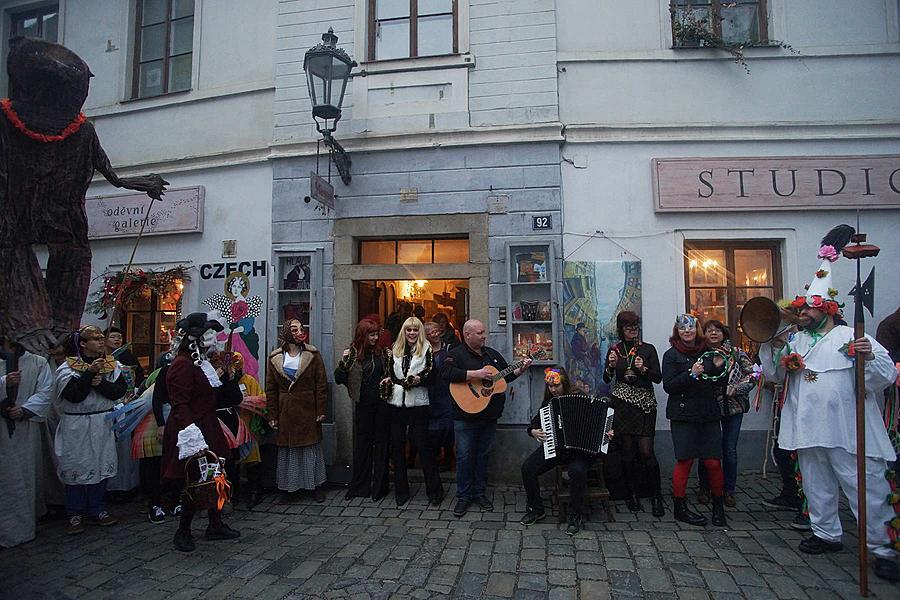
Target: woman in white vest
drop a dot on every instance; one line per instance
(411, 370)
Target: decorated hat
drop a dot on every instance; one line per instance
(195, 324)
(190, 442)
(821, 293)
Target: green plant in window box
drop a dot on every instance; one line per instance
(692, 31)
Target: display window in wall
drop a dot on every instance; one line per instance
(41, 23)
(720, 276)
(412, 28)
(149, 323)
(413, 251)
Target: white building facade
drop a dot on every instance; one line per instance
(670, 154)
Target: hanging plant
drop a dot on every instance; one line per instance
(119, 289)
(691, 31)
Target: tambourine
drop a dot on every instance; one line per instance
(727, 364)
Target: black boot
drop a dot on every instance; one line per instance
(184, 541)
(634, 504)
(718, 512)
(659, 507)
(685, 515)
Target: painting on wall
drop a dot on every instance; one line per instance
(594, 292)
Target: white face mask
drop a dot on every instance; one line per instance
(209, 339)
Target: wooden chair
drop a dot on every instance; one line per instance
(595, 490)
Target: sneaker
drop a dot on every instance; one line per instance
(574, 525)
(729, 500)
(782, 503)
(816, 545)
(485, 503)
(104, 519)
(176, 512)
(532, 516)
(156, 514)
(75, 526)
(801, 523)
(461, 507)
(886, 569)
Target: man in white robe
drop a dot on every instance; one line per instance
(819, 422)
(28, 478)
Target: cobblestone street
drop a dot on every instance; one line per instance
(358, 549)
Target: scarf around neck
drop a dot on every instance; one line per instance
(692, 350)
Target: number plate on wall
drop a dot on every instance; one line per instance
(541, 222)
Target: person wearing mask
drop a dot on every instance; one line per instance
(734, 400)
(89, 384)
(362, 367)
(634, 365)
(474, 433)
(409, 373)
(296, 393)
(127, 479)
(194, 388)
(690, 376)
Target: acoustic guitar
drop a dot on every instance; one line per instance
(473, 396)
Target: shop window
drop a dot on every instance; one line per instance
(41, 23)
(721, 276)
(412, 28)
(149, 320)
(407, 252)
(163, 47)
(735, 22)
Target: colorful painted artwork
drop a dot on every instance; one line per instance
(238, 311)
(593, 294)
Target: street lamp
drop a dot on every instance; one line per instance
(327, 70)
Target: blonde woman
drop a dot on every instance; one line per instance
(410, 372)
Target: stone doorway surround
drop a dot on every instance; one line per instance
(347, 271)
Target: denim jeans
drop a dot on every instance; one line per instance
(86, 499)
(473, 447)
(731, 431)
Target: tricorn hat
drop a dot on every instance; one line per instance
(195, 324)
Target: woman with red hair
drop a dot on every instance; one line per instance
(361, 368)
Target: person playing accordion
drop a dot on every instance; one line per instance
(558, 384)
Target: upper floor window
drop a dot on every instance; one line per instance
(40, 23)
(163, 49)
(735, 22)
(411, 28)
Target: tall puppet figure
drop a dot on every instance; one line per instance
(48, 154)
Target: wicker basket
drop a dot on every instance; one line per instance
(205, 495)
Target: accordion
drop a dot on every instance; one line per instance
(576, 422)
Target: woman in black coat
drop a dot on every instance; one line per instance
(690, 376)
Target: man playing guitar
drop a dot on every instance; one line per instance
(474, 432)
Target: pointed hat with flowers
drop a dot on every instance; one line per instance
(820, 293)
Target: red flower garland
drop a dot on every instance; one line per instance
(13, 117)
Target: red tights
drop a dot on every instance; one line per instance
(683, 470)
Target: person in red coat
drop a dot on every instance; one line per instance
(193, 387)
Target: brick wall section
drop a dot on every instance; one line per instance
(449, 180)
(513, 82)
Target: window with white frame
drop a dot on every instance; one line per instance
(163, 47)
(735, 22)
(412, 28)
(41, 23)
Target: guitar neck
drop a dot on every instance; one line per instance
(501, 374)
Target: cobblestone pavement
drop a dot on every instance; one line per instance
(359, 549)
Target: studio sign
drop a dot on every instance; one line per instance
(776, 183)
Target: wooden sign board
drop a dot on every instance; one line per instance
(321, 191)
(776, 183)
(121, 215)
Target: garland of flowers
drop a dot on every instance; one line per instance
(798, 477)
(688, 30)
(121, 288)
(893, 526)
(14, 118)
